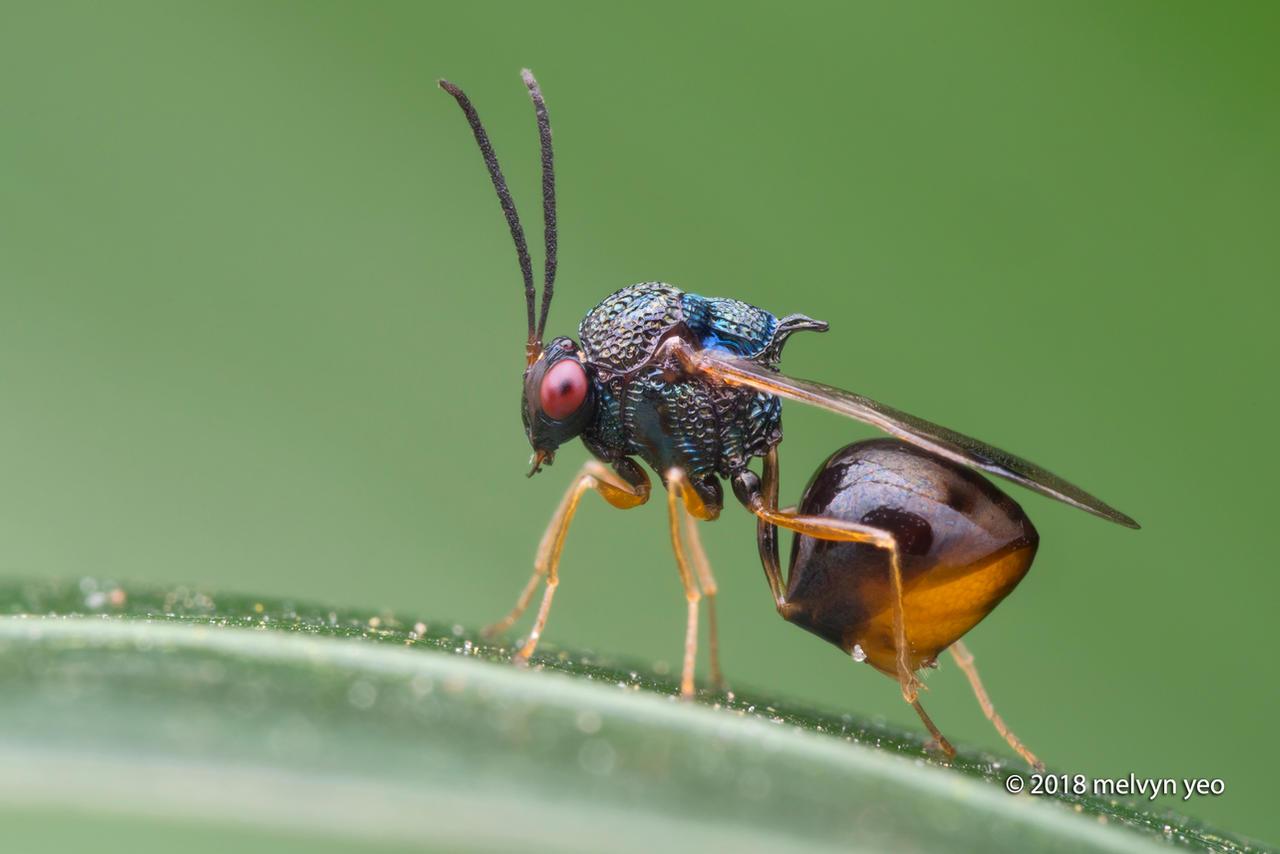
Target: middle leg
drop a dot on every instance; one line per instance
(707, 581)
(683, 500)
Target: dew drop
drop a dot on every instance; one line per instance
(859, 655)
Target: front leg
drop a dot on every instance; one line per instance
(628, 487)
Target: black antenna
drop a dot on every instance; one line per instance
(548, 195)
(534, 345)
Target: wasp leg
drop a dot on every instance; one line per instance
(760, 496)
(767, 533)
(764, 506)
(683, 499)
(615, 489)
(964, 659)
(707, 582)
(939, 739)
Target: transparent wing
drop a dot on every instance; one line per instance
(946, 443)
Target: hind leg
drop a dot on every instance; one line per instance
(939, 740)
(964, 659)
(760, 496)
(761, 499)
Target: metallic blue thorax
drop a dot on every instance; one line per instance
(709, 429)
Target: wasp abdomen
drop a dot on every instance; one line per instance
(963, 545)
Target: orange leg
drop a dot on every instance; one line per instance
(765, 506)
(939, 739)
(707, 582)
(594, 476)
(965, 660)
(683, 500)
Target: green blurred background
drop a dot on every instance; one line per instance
(260, 323)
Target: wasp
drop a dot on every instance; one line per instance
(900, 545)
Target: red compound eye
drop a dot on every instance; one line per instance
(563, 389)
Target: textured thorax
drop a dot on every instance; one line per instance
(625, 329)
(708, 429)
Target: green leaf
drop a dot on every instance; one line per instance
(240, 717)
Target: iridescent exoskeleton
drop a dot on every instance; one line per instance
(709, 430)
(900, 547)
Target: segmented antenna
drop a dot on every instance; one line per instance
(548, 196)
(534, 344)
